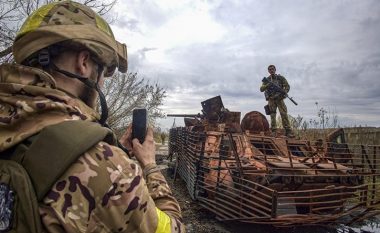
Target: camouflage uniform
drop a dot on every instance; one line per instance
(277, 101)
(103, 191)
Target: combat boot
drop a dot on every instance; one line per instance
(274, 133)
(289, 133)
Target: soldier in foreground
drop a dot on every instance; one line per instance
(276, 99)
(62, 52)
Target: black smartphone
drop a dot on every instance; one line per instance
(139, 124)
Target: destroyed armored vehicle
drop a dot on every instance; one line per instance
(238, 171)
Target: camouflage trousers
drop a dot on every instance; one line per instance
(273, 105)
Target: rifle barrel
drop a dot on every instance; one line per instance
(183, 115)
(279, 89)
(291, 99)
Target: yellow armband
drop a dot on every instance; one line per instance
(163, 223)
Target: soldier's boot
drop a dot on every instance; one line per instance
(289, 133)
(274, 133)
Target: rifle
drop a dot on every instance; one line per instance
(278, 89)
(185, 115)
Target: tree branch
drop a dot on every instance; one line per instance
(6, 52)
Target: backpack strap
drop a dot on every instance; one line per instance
(57, 147)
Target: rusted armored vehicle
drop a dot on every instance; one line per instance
(238, 171)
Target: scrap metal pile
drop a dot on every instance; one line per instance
(241, 173)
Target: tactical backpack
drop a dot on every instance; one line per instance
(29, 170)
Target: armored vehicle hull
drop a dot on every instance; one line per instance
(244, 174)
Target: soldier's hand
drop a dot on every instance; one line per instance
(145, 153)
(126, 139)
(263, 87)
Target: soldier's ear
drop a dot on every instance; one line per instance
(84, 64)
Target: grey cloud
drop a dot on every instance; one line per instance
(327, 50)
(131, 24)
(142, 52)
(148, 12)
(136, 60)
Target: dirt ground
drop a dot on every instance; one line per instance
(199, 220)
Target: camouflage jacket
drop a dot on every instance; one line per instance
(280, 81)
(103, 191)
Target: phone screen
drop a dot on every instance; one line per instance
(139, 124)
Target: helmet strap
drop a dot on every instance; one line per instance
(44, 58)
(102, 98)
(91, 84)
(45, 61)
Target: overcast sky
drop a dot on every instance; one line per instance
(329, 51)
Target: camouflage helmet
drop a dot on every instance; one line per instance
(74, 24)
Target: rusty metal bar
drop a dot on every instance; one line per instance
(274, 204)
(374, 177)
(234, 151)
(342, 183)
(202, 139)
(254, 206)
(364, 152)
(289, 154)
(252, 197)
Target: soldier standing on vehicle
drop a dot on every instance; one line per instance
(276, 100)
(163, 137)
(62, 53)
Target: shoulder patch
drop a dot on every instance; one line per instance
(6, 207)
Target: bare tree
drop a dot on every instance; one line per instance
(14, 12)
(9, 18)
(124, 92)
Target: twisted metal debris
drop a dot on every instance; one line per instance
(241, 173)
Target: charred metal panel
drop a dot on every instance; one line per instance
(252, 177)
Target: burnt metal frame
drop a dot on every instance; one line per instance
(249, 203)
